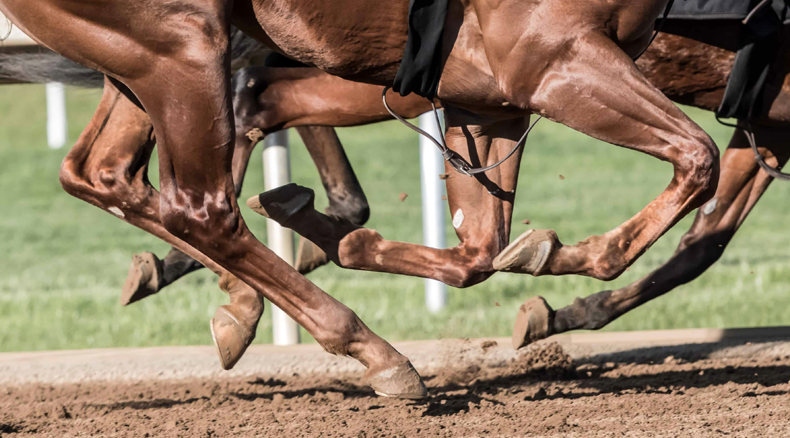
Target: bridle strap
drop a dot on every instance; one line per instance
(749, 133)
(457, 161)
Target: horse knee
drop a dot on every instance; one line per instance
(700, 166)
(108, 187)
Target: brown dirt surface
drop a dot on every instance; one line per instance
(539, 392)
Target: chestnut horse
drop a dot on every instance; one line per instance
(567, 61)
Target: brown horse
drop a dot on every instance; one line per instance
(688, 71)
(691, 69)
(502, 62)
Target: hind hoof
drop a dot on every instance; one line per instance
(309, 256)
(535, 321)
(143, 278)
(282, 203)
(400, 381)
(529, 253)
(230, 337)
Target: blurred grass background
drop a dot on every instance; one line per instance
(63, 262)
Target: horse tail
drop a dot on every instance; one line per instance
(46, 66)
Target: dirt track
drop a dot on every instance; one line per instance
(477, 388)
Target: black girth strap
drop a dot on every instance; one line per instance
(421, 67)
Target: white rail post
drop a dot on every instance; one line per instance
(433, 206)
(57, 127)
(277, 172)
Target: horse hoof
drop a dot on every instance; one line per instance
(143, 278)
(400, 381)
(534, 322)
(309, 256)
(529, 253)
(282, 203)
(230, 337)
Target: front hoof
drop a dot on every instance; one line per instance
(535, 321)
(230, 337)
(282, 203)
(143, 278)
(400, 381)
(309, 256)
(529, 253)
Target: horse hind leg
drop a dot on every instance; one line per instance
(107, 168)
(269, 98)
(482, 207)
(742, 184)
(198, 203)
(629, 112)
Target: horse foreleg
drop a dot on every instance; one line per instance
(107, 167)
(346, 198)
(266, 99)
(741, 185)
(193, 119)
(481, 207)
(599, 91)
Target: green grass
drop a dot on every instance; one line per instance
(62, 261)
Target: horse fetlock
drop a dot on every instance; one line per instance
(473, 270)
(530, 253)
(108, 189)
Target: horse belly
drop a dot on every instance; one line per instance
(348, 38)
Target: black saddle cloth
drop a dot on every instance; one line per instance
(421, 67)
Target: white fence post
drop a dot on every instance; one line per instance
(277, 172)
(433, 206)
(57, 127)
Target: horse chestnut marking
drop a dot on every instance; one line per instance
(458, 218)
(117, 211)
(255, 135)
(710, 207)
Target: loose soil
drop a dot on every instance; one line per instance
(540, 391)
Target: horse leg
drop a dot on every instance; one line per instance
(193, 121)
(266, 99)
(621, 107)
(148, 275)
(481, 207)
(741, 185)
(107, 167)
(347, 200)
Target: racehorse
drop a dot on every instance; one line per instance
(501, 62)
